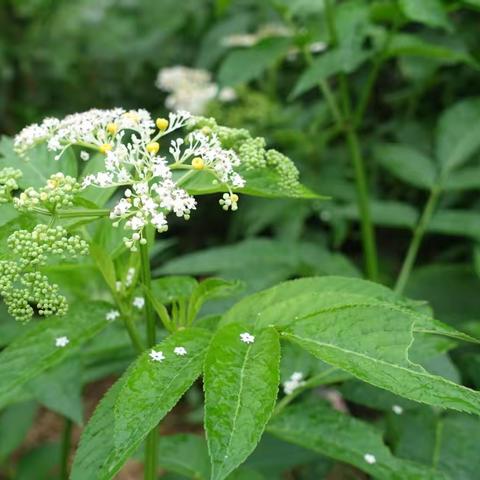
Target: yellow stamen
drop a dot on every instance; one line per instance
(162, 124)
(198, 163)
(106, 147)
(112, 128)
(153, 147)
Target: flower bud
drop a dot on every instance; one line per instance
(106, 147)
(198, 163)
(153, 147)
(162, 124)
(112, 128)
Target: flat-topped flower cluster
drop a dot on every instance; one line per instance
(133, 160)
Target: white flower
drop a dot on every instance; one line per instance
(369, 458)
(138, 302)
(62, 341)
(112, 315)
(84, 155)
(180, 351)
(295, 381)
(130, 276)
(397, 409)
(247, 338)
(156, 356)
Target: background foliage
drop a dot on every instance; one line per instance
(404, 75)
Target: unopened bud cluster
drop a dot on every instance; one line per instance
(8, 183)
(58, 192)
(21, 285)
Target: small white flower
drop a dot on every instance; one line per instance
(138, 302)
(369, 458)
(295, 381)
(84, 155)
(297, 376)
(61, 342)
(118, 285)
(180, 351)
(247, 338)
(397, 409)
(156, 356)
(112, 315)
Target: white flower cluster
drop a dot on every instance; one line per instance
(190, 89)
(294, 382)
(133, 161)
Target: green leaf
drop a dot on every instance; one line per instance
(241, 383)
(429, 12)
(97, 440)
(39, 164)
(185, 454)
(407, 164)
(35, 351)
(15, 421)
(467, 178)
(172, 289)
(210, 289)
(464, 223)
(340, 60)
(60, 390)
(371, 342)
(105, 265)
(346, 439)
(246, 64)
(458, 134)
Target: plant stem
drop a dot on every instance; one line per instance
(65, 450)
(75, 213)
(418, 234)
(150, 464)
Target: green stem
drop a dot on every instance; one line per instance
(351, 136)
(150, 464)
(417, 238)
(65, 450)
(75, 213)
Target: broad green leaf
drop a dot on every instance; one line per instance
(104, 264)
(38, 165)
(346, 439)
(15, 421)
(458, 134)
(35, 351)
(407, 164)
(410, 45)
(173, 288)
(151, 389)
(429, 12)
(210, 289)
(7, 213)
(241, 383)
(259, 182)
(185, 454)
(448, 442)
(465, 223)
(340, 60)
(246, 64)
(467, 178)
(40, 463)
(97, 440)
(372, 342)
(60, 389)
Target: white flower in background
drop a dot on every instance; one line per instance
(156, 356)
(247, 337)
(84, 155)
(130, 144)
(369, 458)
(295, 381)
(112, 315)
(181, 351)
(61, 342)
(138, 302)
(397, 409)
(130, 276)
(190, 89)
(250, 39)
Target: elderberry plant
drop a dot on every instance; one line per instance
(116, 179)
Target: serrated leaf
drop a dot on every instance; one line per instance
(33, 353)
(346, 439)
(429, 12)
(241, 384)
(371, 343)
(407, 164)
